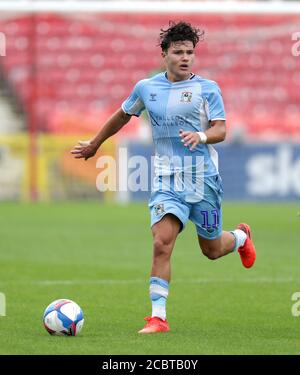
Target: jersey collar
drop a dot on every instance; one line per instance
(191, 77)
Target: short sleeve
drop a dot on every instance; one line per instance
(134, 105)
(215, 104)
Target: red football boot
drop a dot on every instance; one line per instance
(247, 251)
(155, 325)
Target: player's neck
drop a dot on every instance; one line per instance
(173, 78)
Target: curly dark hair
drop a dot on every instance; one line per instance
(179, 32)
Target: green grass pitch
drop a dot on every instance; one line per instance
(99, 255)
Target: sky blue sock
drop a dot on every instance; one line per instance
(159, 290)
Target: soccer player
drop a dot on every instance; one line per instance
(187, 116)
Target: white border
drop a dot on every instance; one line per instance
(225, 7)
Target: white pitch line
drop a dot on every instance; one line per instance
(87, 282)
(262, 280)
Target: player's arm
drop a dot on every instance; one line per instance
(87, 149)
(215, 134)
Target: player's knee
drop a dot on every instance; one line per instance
(161, 246)
(211, 253)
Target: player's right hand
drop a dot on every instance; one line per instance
(84, 149)
(189, 139)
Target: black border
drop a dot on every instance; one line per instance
(112, 364)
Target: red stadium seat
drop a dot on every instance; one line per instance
(81, 64)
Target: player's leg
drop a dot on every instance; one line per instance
(215, 243)
(218, 247)
(237, 240)
(164, 236)
(168, 217)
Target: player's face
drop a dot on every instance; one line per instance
(179, 59)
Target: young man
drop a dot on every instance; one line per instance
(187, 117)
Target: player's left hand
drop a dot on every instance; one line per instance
(189, 139)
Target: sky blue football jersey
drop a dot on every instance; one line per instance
(171, 106)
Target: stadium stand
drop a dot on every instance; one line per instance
(70, 72)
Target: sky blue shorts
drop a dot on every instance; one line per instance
(203, 209)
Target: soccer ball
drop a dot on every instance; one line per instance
(63, 317)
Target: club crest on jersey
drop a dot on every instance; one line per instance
(186, 97)
(159, 209)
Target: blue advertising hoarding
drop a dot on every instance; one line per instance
(267, 172)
